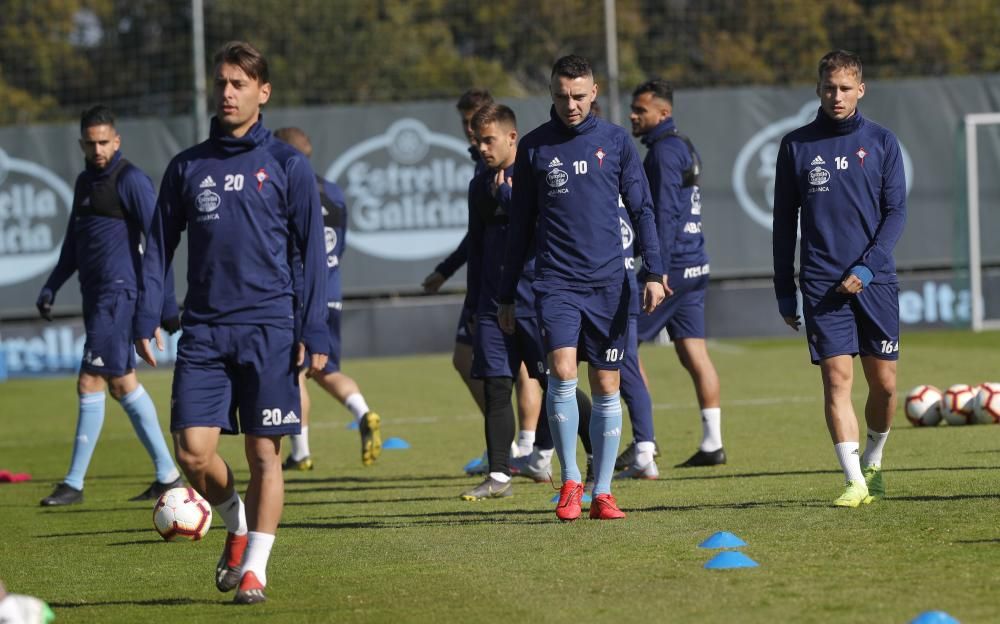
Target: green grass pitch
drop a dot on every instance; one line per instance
(393, 542)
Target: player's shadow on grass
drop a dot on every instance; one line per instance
(103, 510)
(360, 488)
(995, 540)
(518, 517)
(153, 602)
(449, 477)
(790, 473)
(368, 501)
(86, 533)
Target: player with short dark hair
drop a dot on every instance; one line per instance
(244, 198)
(840, 181)
(569, 174)
(673, 168)
(113, 203)
(333, 380)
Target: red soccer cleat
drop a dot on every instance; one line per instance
(251, 591)
(605, 507)
(570, 496)
(227, 571)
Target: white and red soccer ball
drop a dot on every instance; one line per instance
(182, 513)
(957, 404)
(923, 406)
(986, 405)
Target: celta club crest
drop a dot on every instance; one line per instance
(861, 153)
(600, 153)
(753, 171)
(261, 177)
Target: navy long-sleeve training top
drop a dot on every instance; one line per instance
(241, 200)
(846, 180)
(106, 250)
(488, 229)
(567, 181)
(676, 201)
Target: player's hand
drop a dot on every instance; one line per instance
(506, 317)
(667, 290)
(145, 352)
(172, 324)
(851, 285)
(499, 180)
(317, 361)
(793, 321)
(433, 282)
(653, 295)
(44, 303)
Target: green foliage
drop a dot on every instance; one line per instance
(393, 542)
(58, 56)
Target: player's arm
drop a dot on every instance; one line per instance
(892, 210)
(785, 233)
(634, 188)
(523, 214)
(474, 238)
(167, 223)
(665, 173)
(306, 225)
(65, 267)
(433, 282)
(139, 201)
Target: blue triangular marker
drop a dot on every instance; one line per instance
(730, 559)
(586, 498)
(722, 539)
(933, 617)
(353, 424)
(395, 444)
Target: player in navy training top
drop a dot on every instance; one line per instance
(673, 167)
(112, 210)
(244, 197)
(568, 176)
(529, 398)
(335, 382)
(840, 180)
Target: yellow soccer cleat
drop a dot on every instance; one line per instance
(875, 482)
(371, 438)
(855, 494)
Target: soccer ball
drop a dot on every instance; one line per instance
(986, 406)
(182, 512)
(956, 404)
(923, 406)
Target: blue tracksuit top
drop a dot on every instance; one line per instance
(846, 179)
(628, 256)
(677, 207)
(568, 180)
(488, 229)
(242, 200)
(107, 251)
(460, 256)
(334, 209)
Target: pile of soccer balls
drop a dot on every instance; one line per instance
(960, 404)
(182, 513)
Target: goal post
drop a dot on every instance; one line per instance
(977, 312)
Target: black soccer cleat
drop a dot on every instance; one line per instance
(157, 489)
(251, 591)
(63, 495)
(704, 458)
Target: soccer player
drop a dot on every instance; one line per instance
(497, 355)
(529, 398)
(672, 167)
(113, 204)
(244, 197)
(336, 383)
(470, 101)
(840, 180)
(569, 174)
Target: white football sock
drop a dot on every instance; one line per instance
(357, 405)
(525, 441)
(234, 514)
(258, 551)
(499, 476)
(644, 454)
(873, 448)
(850, 461)
(540, 458)
(711, 429)
(300, 444)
